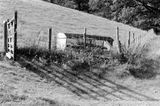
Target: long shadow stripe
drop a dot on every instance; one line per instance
(125, 88)
(40, 71)
(78, 83)
(95, 79)
(118, 90)
(94, 85)
(79, 89)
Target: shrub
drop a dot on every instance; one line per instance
(133, 55)
(144, 69)
(138, 64)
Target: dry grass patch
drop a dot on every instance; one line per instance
(138, 64)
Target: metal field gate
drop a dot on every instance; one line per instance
(10, 37)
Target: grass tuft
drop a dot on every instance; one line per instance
(138, 64)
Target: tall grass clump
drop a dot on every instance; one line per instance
(139, 65)
(93, 59)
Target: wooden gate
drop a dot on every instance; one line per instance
(10, 37)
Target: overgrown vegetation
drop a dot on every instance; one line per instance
(138, 64)
(77, 60)
(96, 60)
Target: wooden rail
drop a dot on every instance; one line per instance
(95, 37)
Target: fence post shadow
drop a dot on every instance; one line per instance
(119, 87)
(30, 66)
(51, 73)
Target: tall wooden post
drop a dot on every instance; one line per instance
(118, 41)
(133, 38)
(15, 35)
(5, 36)
(129, 39)
(84, 37)
(54, 41)
(50, 38)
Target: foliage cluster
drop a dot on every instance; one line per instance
(96, 60)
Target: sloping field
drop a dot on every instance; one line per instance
(37, 86)
(35, 17)
(22, 87)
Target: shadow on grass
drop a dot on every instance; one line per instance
(86, 85)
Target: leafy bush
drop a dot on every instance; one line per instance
(144, 69)
(138, 64)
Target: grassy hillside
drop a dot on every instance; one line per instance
(29, 81)
(36, 16)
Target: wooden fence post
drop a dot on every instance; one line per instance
(50, 38)
(5, 36)
(15, 35)
(139, 39)
(84, 37)
(129, 39)
(55, 41)
(118, 41)
(133, 38)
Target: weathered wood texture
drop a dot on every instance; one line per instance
(10, 37)
(50, 38)
(94, 37)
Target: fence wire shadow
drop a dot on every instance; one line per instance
(86, 85)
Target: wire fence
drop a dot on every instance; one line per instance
(48, 40)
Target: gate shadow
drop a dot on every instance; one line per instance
(85, 86)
